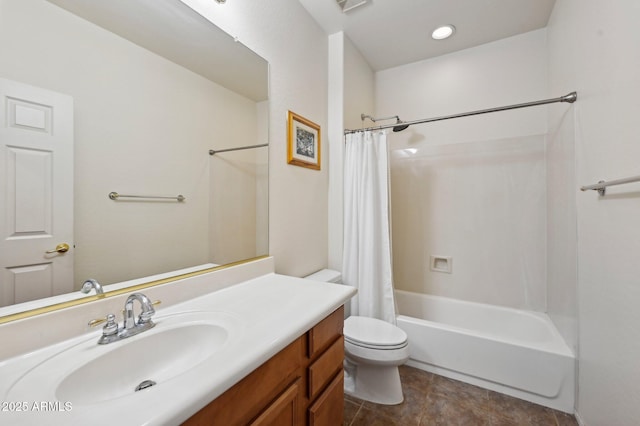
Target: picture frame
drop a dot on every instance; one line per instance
(303, 142)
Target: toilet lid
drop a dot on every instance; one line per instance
(373, 333)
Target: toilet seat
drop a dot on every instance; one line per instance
(372, 333)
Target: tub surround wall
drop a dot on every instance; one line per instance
(562, 261)
(489, 216)
(593, 49)
(484, 175)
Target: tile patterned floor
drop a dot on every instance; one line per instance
(435, 400)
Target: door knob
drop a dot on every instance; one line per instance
(60, 248)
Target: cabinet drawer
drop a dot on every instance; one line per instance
(325, 332)
(325, 368)
(328, 410)
(283, 411)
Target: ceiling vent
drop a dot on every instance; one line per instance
(347, 5)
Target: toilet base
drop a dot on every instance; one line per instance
(380, 385)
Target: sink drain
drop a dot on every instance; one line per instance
(145, 384)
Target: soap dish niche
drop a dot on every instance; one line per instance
(440, 263)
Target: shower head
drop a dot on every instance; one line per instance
(400, 126)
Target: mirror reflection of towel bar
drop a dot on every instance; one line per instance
(215, 151)
(115, 196)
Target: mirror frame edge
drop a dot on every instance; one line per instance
(71, 303)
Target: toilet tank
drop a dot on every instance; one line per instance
(326, 276)
(330, 276)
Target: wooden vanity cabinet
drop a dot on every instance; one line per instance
(323, 398)
(301, 385)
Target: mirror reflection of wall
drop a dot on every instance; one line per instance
(144, 125)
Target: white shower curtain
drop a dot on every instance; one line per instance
(367, 244)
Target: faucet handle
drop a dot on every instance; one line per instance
(97, 321)
(145, 316)
(111, 326)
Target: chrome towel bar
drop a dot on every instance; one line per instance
(602, 185)
(215, 151)
(115, 196)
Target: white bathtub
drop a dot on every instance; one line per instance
(518, 353)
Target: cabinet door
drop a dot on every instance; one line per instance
(248, 398)
(283, 411)
(328, 410)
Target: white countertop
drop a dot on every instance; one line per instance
(272, 311)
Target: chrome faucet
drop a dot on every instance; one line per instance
(91, 284)
(144, 320)
(111, 332)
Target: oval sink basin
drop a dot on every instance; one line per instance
(88, 373)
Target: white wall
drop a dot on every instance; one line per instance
(132, 136)
(336, 150)
(504, 72)
(359, 87)
(471, 188)
(282, 32)
(593, 48)
(352, 88)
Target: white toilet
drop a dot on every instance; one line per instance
(373, 351)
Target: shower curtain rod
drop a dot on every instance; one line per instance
(570, 98)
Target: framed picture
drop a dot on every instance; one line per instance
(303, 142)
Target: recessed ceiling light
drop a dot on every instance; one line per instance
(443, 32)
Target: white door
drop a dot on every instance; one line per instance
(36, 193)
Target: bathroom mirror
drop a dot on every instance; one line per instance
(155, 86)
